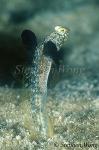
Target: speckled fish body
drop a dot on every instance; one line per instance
(36, 76)
(42, 64)
(39, 75)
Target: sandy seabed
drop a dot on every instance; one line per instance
(74, 118)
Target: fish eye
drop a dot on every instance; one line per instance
(61, 29)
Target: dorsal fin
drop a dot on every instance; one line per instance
(29, 39)
(30, 42)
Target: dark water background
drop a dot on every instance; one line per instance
(81, 52)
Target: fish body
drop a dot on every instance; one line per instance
(36, 75)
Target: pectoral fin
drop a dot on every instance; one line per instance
(50, 50)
